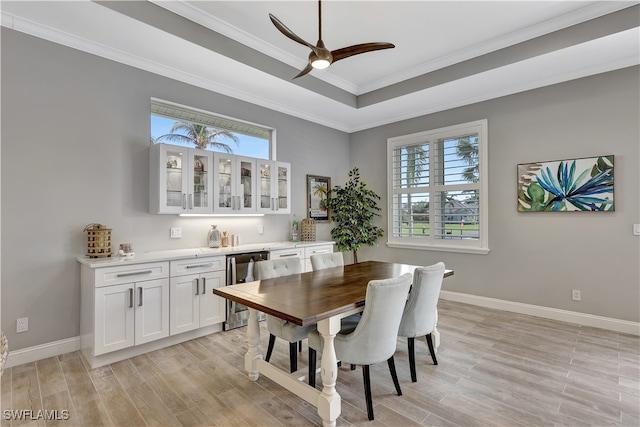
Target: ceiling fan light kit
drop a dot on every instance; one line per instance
(321, 57)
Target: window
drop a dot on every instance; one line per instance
(189, 127)
(437, 191)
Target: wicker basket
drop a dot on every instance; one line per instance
(98, 241)
(308, 230)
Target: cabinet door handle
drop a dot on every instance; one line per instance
(197, 286)
(184, 201)
(204, 285)
(210, 264)
(140, 295)
(130, 297)
(190, 201)
(135, 273)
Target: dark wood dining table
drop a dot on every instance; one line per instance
(321, 297)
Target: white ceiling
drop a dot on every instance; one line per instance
(358, 92)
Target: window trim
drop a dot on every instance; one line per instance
(479, 246)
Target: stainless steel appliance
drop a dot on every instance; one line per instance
(240, 270)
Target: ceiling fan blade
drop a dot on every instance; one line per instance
(357, 49)
(287, 32)
(305, 71)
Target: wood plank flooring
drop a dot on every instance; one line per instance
(495, 369)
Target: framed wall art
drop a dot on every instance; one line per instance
(317, 196)
(584, 184)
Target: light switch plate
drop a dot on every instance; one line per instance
(636, 229)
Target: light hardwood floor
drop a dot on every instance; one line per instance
(495, 369)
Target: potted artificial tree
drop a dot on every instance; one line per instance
(353, 208)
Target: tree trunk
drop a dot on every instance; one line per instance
(355, 257)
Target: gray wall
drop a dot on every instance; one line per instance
(75, 132)
(537, 258)
(75, 138)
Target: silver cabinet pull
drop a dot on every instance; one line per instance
(190, 201)
(130, 297)
(197, 286)
(140, 294)
(204, 285)
(288, 255)
(210, 264)
(184, 201)
(135, 273)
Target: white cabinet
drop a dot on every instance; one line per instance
(193, 304)
(181, 180)
(274, 187)
(289, 253)
(303, 252)
(235, 184)
(124, 306)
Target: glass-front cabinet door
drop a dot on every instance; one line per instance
(181, 180)
(199, 195)
(274, 187)
(235, 184)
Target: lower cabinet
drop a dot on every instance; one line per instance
(304, 253)
(193, 305)
(131, 314)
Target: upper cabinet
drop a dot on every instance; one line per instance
(235, 184)
(188, 180)
(181, 180)
(274, 187)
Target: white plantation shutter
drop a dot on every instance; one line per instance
(437, 189)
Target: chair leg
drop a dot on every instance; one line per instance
(412, 358)
(353, 367)
(272, 341)
(394, 375)
(312, 367)
(367, 391)
(431, 349)
(300, 346)
(293, 356)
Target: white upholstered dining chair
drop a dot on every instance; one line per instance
(280, 328)
(420, 312)
(328, 260)
(374, 338)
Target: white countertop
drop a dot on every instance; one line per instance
(174, 254)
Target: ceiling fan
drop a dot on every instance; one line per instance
(321, 57)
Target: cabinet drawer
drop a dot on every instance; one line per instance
(287, 253)
(197, 265)
(315, 250)
(131, 273)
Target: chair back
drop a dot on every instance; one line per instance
(330, 260)
(272, 268)
(374, 339)
(420, 312)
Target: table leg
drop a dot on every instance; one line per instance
(329, 401)
(253, 353)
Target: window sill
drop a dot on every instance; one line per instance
(439, 248)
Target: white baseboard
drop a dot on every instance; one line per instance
(56, 348)
(623, 326)
(42, 351)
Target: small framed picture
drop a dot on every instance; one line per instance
(317, 198)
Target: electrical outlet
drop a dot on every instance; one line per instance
(575, 295)
(176, 232)
(260, 229)
(636, 229)
(22, 324)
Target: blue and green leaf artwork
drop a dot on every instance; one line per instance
(566, 185)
